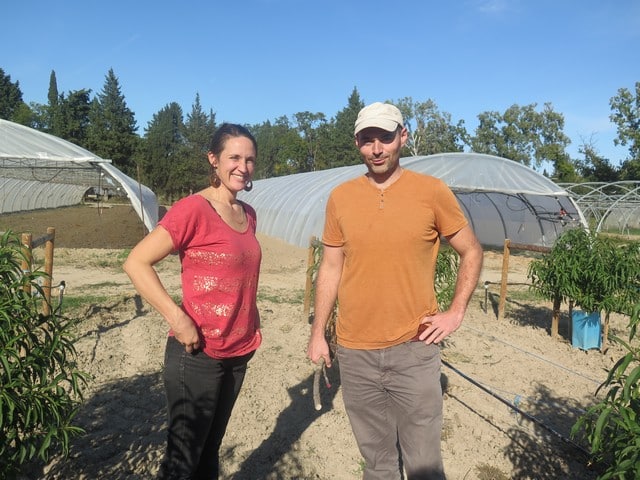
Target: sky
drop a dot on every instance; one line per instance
(256, 60)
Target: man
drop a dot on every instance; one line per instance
(381, 238)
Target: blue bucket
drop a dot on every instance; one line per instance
(586, 331)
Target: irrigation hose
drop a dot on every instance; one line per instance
(517, 409)
(538, 357)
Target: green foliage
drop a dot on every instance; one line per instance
(310, 141)
(330, 328)
(522, 134)
(73, 303)
(598, 274)
(198, 130)
(592, 270)
(595, 168)
(279, 144)
(338, 146)
(281, 296)
(163, 151)
(626, 115)
(309, 126)
(111, 132)
(612, 427)
(556, 273)
(52, 112)
(24, 115)
(74, 116)
(10, 97)
(40, 384)
(431, 131)
(447, 264)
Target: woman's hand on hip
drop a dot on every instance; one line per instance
(185, 331)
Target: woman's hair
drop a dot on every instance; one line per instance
(226, 131)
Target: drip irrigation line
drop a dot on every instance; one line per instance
(519, 398)
(557, 365)
(517, 409)
(487, 282)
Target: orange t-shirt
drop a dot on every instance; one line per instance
(390, 239)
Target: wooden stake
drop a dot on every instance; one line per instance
(48, 268)
(555, 317)
(504, 278)
(27, 261)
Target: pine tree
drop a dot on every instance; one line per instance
(74, 116)
(162, 158)
(343, 150)
(54, 117)
(198, 131)
(112, 132)
(10, 96)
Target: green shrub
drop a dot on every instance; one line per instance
(591, 270)
(612, 426)
(40, 385)
(447, 264)
(599, 274)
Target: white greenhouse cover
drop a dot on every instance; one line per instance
(501, 199)
(38, 170)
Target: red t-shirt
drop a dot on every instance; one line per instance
(220, 269)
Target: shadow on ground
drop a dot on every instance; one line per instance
(125, 436)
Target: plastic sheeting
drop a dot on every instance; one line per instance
(40, 195)
(502, 199)
(38, 170)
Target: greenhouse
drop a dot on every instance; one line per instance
(38, 171)
(609, 206)
(502, 199)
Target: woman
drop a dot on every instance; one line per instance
(216, 330)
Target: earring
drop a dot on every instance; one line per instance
(213, 178)
(248, 186)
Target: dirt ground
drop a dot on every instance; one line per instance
(275, 432)
(90, 226)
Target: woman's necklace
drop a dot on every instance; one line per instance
(232, 214)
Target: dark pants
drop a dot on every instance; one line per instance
(201, 392)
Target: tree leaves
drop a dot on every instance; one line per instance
(611, 426)
(591, 270)
(40, 386)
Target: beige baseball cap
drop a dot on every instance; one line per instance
(379, 115)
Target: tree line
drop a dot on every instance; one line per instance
(170, 156)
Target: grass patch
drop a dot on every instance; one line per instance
(525, 295)
(111, 260)
(74, 303)
(106, 285)
(99, 258)
(455, 357)
(281, 296)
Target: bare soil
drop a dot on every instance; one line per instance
(275, 432)
(90, 226)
